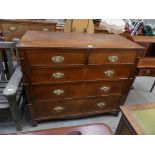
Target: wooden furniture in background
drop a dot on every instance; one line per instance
(70, 75)
(146, 67)
(16, 28)
(12, 97)
(89, 129)
(101, 31)
(148, 42)
(147, 63)
(137, 119)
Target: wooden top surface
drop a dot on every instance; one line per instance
(144, 39)
(88, 129)
(74, 40)
(140, 117)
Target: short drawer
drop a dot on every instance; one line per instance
(55, 109)
(147, 72)
(55, 57)
(77, 90)
(112, 57)
(41, 75)
(14, 28)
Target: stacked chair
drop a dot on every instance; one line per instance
(12, 94)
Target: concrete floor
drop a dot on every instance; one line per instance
(140, 94)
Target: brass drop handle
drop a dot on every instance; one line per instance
(58, 75)
(105, 89)
(113, 58)
(58, 109)
(101, 104)
(45, 29)
(58, 92)
(57, 59)
(12, 28)
(109, 73)
(147, 72)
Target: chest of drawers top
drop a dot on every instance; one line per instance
(39, 39)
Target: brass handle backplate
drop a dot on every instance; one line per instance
(58, 91)
(113, 58)
(58, 75)
(105, 89)
(101, 104)
(45, 29)
(12, 28)
(147, 72)
(109, 73)
(57, 59)
(58, 109)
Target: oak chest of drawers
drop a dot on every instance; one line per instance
(10, 29)
(69, 75)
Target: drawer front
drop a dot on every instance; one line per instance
(75, 107)
(55, 58)
(118, 57)
(39, 75)
(14, 28)
(44, 27)
(146, 72)
(9, 37)
(77, 90)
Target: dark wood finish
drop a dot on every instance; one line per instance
(128, 124)
(147, 72)
(75, 107)
(16, 28)
(78, 57)
(45, 75)
(75, 90)
(101, 57)
(123, 128)
(81, 61)
(42, 58)
(88, 129)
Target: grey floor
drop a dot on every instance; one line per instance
(140, 94)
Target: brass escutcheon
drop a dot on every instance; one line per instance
(101, 104)
(105, 89)
(57, 59)
(109, 73)
(58, 75)
(113, 58)
(58, 91)
(59, 109)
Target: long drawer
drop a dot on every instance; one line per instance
(55, 109)
(57, 57)
(39, 75)
(77, 90)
